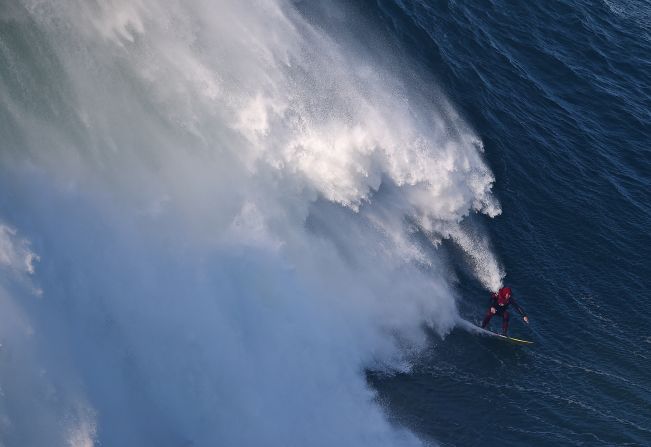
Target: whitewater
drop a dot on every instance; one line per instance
(215, 216)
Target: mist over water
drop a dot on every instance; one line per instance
(213, 218)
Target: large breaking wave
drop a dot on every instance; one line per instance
(213, 220)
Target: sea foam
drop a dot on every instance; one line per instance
(226, 199)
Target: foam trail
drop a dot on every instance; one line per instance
(473, 328)
(223, 199)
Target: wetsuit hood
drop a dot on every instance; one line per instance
(503, 295)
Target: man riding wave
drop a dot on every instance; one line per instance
(499, 303)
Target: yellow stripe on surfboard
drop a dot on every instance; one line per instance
(516, 340)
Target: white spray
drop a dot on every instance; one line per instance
(223, 198)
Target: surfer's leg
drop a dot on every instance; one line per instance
(487, 318)
(505, 323)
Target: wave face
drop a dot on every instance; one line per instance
(215, 217)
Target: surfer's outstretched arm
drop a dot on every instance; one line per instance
(520, 310)
(492, 301)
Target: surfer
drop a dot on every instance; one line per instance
(499, 303)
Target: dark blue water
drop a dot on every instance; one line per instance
(559, 93)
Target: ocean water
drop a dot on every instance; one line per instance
(272, 223)
(559, 94)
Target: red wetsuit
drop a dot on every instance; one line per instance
(501, 301)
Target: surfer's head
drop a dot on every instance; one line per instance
(503, 295)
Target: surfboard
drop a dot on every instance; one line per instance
(472, 327)
(517, 341)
